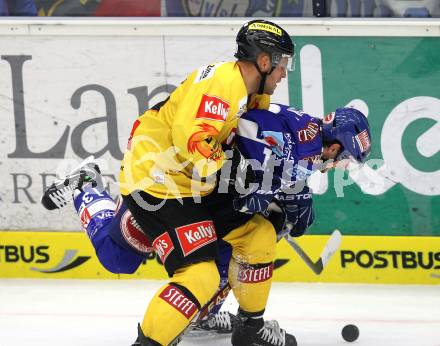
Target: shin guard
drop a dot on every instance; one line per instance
(175, 304)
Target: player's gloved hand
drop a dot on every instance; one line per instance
(255, 202)
(238, 173)
(298, 209)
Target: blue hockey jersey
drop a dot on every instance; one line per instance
(285, 145)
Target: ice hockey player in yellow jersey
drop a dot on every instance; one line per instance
(169, 172)
(184, 133)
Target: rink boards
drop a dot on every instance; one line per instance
(360, 259)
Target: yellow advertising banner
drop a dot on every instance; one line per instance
(67, 255)
(360, 259)
(365, 259)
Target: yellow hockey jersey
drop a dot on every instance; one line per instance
(173, 151)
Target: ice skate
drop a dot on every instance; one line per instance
(270, 334)
(221, 323)
(59, 194)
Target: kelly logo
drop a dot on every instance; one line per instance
(163, 246)
(195, 236)
(212, 108)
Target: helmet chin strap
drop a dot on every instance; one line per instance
(263, 77)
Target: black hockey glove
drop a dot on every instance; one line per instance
(298, 209)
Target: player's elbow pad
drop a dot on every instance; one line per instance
(117, 259)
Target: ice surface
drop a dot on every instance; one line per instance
(92, 313)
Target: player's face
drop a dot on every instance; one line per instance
(329, 153)
(277, 75)
(332, 154)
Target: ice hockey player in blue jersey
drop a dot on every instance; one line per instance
(285, 146)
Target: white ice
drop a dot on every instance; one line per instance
(85, 312)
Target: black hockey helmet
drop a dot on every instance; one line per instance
(259, 36)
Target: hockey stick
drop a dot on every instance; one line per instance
(329, 250)
(221, 294)
(217, 299)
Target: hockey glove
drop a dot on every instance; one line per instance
(298, 209)
(255, 202)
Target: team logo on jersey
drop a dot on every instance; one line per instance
(308, 133)
(85, 218)
(363, 141)
(206, 72)
(163, 246)
(275, 140)
(195, 236)
(205, 143)
(253, 274)
(178, 300)
(212, 108)
(133, 235)
(328, 119)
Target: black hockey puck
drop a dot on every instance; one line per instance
(350, 332)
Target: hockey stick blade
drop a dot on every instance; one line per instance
(333, 244)
(329, 250)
